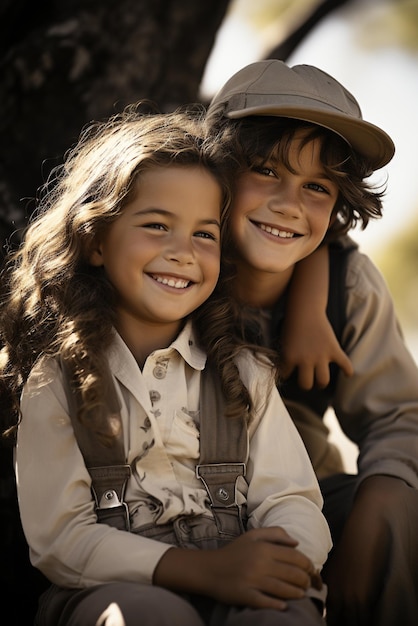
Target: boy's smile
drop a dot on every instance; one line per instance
(279, 216)
(162, 254)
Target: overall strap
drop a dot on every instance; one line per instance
(223, 453)
(105, 462)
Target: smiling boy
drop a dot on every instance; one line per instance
(307, 157)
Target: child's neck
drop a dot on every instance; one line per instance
(261, 289)
(143, 339)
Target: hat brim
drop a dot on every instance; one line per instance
(364, 137)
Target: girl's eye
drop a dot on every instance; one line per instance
(155, 226)
(206, 235)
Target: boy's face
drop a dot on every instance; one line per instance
(162, 254)
(278, 217)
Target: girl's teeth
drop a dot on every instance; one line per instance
(276, 232)
(171, 282)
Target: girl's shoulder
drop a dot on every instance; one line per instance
(46, 371)
(256, 372)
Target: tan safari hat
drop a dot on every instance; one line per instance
(305, 93)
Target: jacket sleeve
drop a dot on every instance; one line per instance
(377, 407)
(56, 505)
(282, 486)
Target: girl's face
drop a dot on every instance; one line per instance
(163, 253)
(278, 217)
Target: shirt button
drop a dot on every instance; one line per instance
(154, 396)
(159, 372)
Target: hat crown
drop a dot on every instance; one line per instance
(306, 93)
(274, 82)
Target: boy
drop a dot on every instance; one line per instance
(307, 154)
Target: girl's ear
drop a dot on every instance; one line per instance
(95, 255)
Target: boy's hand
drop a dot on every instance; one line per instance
(310, 346)
(308, 341)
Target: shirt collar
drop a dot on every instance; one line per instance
(186, 345)
(122, 360)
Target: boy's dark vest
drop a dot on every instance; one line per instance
(318, 400)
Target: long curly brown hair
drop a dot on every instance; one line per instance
(55, 303)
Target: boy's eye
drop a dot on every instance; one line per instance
(264, 170)
(317, 187)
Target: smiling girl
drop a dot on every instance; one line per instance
(119, 272)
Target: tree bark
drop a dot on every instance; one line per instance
(67, 62)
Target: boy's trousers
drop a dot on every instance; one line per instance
(385, 588)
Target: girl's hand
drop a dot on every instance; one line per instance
(259, 569)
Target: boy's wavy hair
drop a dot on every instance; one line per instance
(55, 303)
(258, 139)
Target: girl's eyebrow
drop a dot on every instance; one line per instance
(165, 213)
(152, 210)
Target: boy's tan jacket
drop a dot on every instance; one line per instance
(377, 408)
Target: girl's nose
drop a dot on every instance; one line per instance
(180, 251)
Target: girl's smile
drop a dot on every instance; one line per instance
(170, 281)
(162, 254)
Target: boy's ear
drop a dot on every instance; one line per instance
(333, 216)
(95, 255)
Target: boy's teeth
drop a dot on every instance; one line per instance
(276, 232)
(178, 283)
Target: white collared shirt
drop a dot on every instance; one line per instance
(160, 413)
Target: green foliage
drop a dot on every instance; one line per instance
(391, 23)
(283, 15)
(398, 262)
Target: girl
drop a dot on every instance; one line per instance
(119, 271)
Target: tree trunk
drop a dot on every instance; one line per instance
(67, 62)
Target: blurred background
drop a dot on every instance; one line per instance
(64, 63)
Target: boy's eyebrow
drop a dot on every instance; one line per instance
(319, 174)
(165, 213)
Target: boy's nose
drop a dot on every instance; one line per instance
(287, 204)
